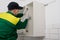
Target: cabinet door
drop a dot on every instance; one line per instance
(29, 27)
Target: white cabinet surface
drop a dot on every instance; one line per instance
(36, 25)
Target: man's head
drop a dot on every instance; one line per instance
(14, 7)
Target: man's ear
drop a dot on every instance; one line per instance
(14, 11)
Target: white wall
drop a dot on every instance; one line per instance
(52, 13)
(53, 21)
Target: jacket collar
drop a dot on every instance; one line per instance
(10, 12)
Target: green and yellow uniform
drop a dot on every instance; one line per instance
(9, 24)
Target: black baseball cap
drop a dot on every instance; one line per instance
(14, 5)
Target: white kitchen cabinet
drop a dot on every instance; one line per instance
(36, 25)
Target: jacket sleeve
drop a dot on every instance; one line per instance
(22, 25)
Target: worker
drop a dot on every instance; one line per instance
(11, 21)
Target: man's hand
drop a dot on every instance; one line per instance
(26, 16)
(25, 11)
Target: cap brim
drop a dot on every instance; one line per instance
(20, 7)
